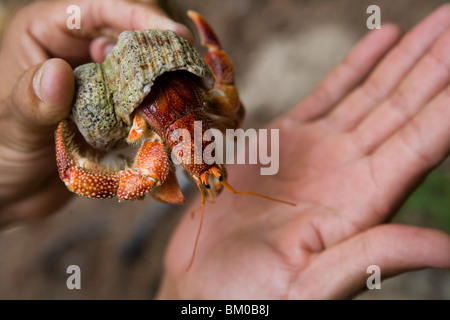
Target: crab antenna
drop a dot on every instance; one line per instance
(231, 189)
(199, 184)
(194, 211)
(210, 195)
(208, 189)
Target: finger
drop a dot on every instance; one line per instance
(134, 16)
(404, 159)
(348, 74)
(97, 18)
(342, 271)
(41, 98)
(100, 47)
(40, 202)
(424, 81)
(391, 70)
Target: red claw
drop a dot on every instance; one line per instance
(133, 185)
(87, 178)
(86, 182)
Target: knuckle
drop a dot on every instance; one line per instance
(348, 66)
(372, 87)
(439, 55)
(321, 94)
(399, 101)
(411, 137)
(362, 145)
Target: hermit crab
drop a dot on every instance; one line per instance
(151, 84)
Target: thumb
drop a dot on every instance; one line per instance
(43, 94)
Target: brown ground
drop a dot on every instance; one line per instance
(280, 49)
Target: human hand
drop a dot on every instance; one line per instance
(350, 153)
(36, 90)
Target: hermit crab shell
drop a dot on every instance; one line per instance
(107, 94)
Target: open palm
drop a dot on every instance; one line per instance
(349, 155)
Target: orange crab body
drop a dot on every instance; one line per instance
(176, 102)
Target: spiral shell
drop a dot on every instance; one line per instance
(107, 94)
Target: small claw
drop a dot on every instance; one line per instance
(138, 128)
(149, 170)
(152, 160)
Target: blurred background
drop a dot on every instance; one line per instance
(281, 49)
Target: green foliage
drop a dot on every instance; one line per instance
(432, 198)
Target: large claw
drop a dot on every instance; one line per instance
(87, 178)
(148, 170)
(80, 179)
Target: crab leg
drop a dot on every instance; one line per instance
(225, 99)
(169, 191)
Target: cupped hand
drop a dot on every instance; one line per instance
(37, 55)
(350, 153)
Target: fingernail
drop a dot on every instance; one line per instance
(166, 23)
(37, 81)
(108, 48)
(182, 31)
